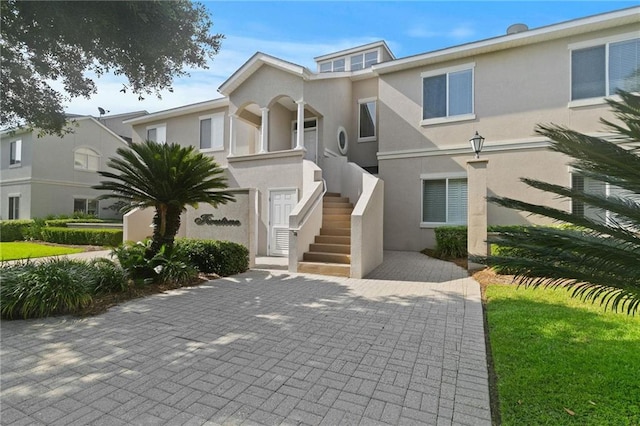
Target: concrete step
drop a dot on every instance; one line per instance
(330, 248)
(335, 199)
(337, 210)
(343, 232)
(345, 224)
(336, 218)
(332, 194)
(326, 257)
(332, 269)
(333, 239)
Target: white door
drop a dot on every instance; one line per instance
(310, 138)
(281, 203)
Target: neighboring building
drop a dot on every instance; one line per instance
(52, 175)
(408, 122)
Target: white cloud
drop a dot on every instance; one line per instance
(202, 85)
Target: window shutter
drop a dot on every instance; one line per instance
(594, 187)
(434, 201)
(457, 200)
(460, 87)
(624, 66)
(588, 73)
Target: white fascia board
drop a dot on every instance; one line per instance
(550, 32)
(351, 50)
(175, 112)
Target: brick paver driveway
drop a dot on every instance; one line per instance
(404, 346)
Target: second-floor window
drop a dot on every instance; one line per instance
(15, 152)
(333, 66)
(447, 93)
(86, 159)
(157, 133)
(367, 120)
(602, 70)
(212, 132)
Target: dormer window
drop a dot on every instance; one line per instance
(333, 66)
(363, 60)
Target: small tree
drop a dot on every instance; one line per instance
(167, 177)
(597, 257)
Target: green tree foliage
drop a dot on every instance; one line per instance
(166, 177)
(148, 42)
(599, 257)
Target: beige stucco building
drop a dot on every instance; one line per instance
(44, 175)
(391, 135)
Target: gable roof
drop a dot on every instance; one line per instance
(546, 33)
(254, 63)
(178, 111)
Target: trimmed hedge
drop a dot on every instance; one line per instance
(223, 258)
(94, 237)
(451, 242)
(62, 223)
(14, 230)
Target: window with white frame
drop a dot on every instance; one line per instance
(157, 133)
(366, 120)
(212, 132)
(14, 207)
(85, 206)
(86, 159)
(601, 70)
(592, 186)
(363, 60)
(447, 93)
(15, 153)
(333, 66)
(444, 200)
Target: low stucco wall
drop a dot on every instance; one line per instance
(366, 228)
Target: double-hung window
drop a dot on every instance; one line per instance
(15, 153)
(212, 132)
(602, 69)
(447, 95)
(444, 200)
(157, 133)
(85, 206)
(14, 207)
(367, 120)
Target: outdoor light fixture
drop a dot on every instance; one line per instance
(476, 143)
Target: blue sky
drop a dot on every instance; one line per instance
(300, 31)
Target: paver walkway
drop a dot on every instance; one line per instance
(404, 346)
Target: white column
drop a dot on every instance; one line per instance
(264, 136)
(232, 135)
(300, 135)
(476, 210)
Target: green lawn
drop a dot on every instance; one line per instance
(24, 250)
(560, 361)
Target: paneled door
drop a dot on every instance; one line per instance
(281, 203)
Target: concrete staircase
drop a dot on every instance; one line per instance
(330, 254)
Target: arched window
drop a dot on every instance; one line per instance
(86, 159)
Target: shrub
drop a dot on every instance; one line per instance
(451, 242)
(33, 290)
(107, 277)
(96, 237)
(131, 257)
(63, 222)
(14, 230)
(223, 258)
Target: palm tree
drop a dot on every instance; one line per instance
(598, 255)
(167, 177)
